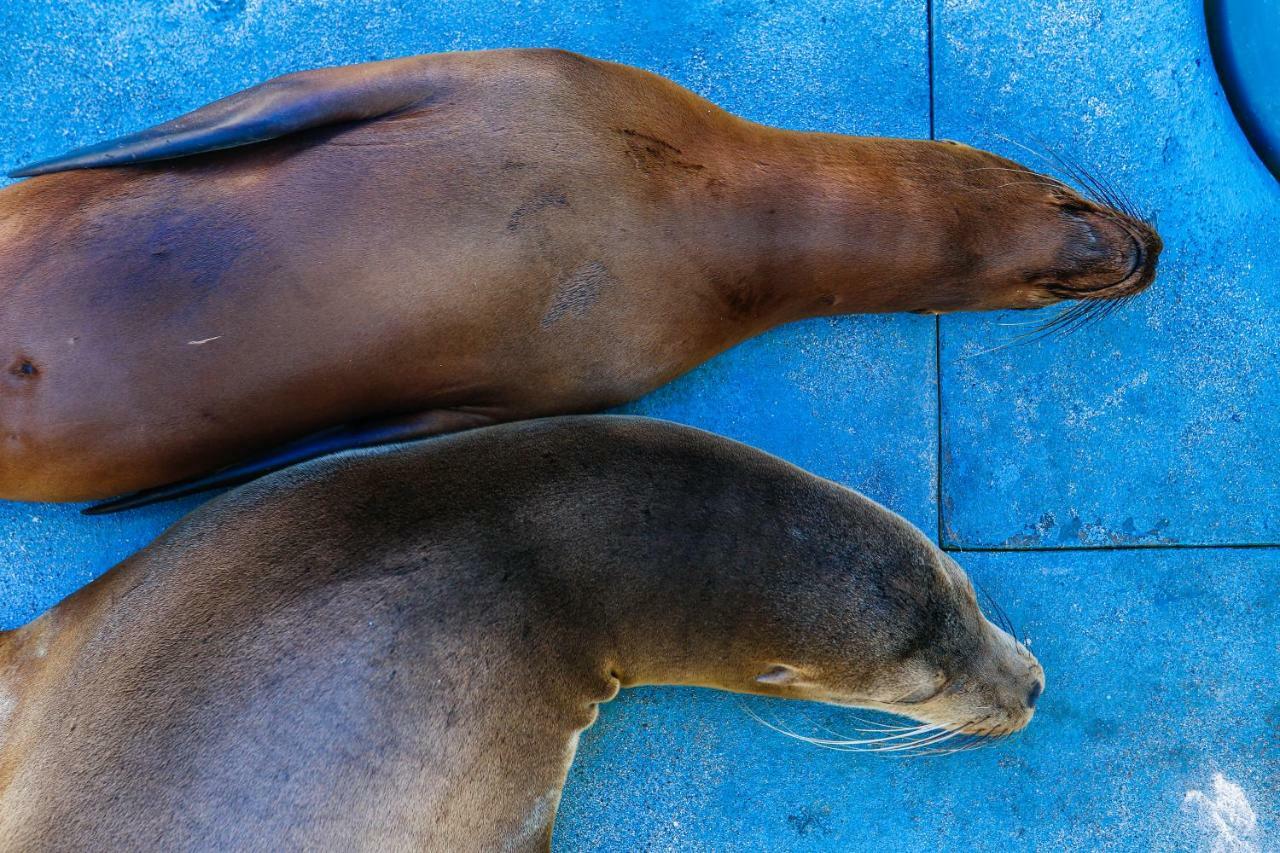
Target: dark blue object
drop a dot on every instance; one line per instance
(1245, 37)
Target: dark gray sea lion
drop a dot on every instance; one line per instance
(398, 648)
(411, 247)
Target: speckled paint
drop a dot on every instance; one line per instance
(1160, 726)
(1150, 693)
(1156, 426)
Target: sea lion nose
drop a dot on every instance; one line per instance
(1034, 693)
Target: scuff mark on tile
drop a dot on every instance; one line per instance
(1225, 815)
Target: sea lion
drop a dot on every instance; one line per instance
(411, 247)
(398, 648)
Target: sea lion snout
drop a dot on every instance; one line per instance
(995, 694)
(974, 681)
(1017, 238)
(1108, 256)
(1014, 681)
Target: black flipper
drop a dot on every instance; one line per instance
(276, 108)
(348, 437)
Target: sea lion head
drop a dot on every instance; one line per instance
(896, 626)
(1016, 238)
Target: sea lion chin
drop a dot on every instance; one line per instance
(380, 252)
(398, 648)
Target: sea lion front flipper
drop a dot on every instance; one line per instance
(348, 437)
(278, 107)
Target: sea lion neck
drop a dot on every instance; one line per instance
(697, 604)
(818, 224)
(673, 631)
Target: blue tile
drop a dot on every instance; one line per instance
(48, 551)
(1161, 675)
(851, 398)
(1157, 425)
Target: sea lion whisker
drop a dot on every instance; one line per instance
(828, 743)
(976, 740)
(856, 744)
(946, 732)
(1069, 320)
(923, 746)
(976, 743)
(875, 726)
(879, 726)
(1113, 306)
(1062, 322)
(1012, 184)
(871, 730)
(1032, 177)
(997, 348)
(1074, 323)
(959, 746)
(983, 741)
(921, 730)
(1000, 611)
(1029, 178)
(1111, 191)
(1099, 310)
(1083, 178)
(1038, 155)
(1028, 337)
(1040, 332)
(917, 740)
(1080, 175)
(1015, 170)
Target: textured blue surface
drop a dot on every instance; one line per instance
(1150, 693)
(1157, 425)
(1154, 428)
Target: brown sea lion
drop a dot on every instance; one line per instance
(404, 248)
(339, 657)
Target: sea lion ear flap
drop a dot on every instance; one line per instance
(270, 110)
(780, 675)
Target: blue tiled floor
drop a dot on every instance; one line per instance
(1085, 475)
(1156, 426)
(1161, 674)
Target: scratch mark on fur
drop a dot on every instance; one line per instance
(577, 292)
(535, 204)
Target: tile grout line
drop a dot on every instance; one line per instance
(930, 21)
(937, 321)
(928, 36)
(1172, 546)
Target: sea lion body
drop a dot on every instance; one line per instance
(397, 649)
(497, 235)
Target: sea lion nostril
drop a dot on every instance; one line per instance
(1034, 694)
